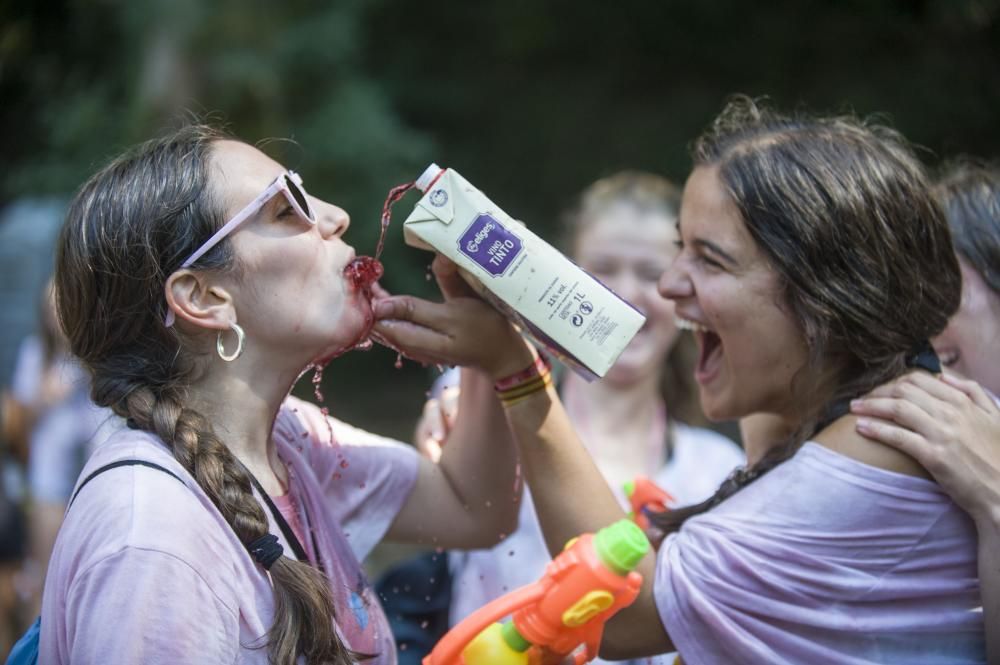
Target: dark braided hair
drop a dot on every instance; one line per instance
(128, 228)
(844, 214)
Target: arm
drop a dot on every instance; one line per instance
(572, 497)
(570, 494)
(952, 427)
(469, 498)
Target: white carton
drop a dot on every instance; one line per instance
(546, 295)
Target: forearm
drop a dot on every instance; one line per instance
(570, 494)
(989, 581)
(572, 497)
(480, 459)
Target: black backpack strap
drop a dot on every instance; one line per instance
(114, 465)
(300, 552)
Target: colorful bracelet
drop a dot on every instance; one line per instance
(520, 385)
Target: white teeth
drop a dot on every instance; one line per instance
(684, 324)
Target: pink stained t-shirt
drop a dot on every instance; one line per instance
(825, 560)
(146, 570)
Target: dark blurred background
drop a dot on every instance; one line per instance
(531, 101)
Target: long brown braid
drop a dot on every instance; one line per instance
(127, 229)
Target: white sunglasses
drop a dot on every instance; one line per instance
(288, 183)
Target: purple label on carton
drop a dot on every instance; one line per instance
(490, 244)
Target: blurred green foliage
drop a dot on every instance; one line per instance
(531, 101)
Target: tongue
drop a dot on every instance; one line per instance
(710, 347)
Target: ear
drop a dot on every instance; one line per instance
(198, 300)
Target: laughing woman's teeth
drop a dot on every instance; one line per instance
(684, 324)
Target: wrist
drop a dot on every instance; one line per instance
(521, 357)
(524, 383)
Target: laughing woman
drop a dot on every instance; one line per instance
(815, 265)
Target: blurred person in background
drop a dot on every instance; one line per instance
(196, 281)
(40, 405)
(50, 414)
(951, 425)
(28, 226)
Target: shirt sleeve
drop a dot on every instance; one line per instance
(147, 606)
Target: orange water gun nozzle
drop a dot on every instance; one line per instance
(646, 496)
(591, 580)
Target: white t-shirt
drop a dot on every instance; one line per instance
(146, 569)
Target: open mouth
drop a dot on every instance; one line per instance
(363, 271)
(709, 350)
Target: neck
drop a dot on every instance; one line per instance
(241, 405)
(763, 431)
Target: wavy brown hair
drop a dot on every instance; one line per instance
(128, 228)
(843, 212)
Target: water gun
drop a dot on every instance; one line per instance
(591, 579)
(644, 495)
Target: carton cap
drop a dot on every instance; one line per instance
(428, 176)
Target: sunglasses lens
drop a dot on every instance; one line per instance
(300, 198)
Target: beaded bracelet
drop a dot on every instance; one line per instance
(520, 385)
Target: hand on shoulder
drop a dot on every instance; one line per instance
(950, 425)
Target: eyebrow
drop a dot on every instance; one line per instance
(715, 249)
(709, 245)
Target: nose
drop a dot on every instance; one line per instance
(675, 283)
(331, 220)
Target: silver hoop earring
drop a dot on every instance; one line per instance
(241, 338)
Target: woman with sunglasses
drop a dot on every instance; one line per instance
(196, 280)
(814, 266)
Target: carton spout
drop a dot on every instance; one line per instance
(428, 177)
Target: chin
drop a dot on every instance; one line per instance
(718, 409)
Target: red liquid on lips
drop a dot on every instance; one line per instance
(364, 271)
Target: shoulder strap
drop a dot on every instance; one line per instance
(286, 530)
(113, 465)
